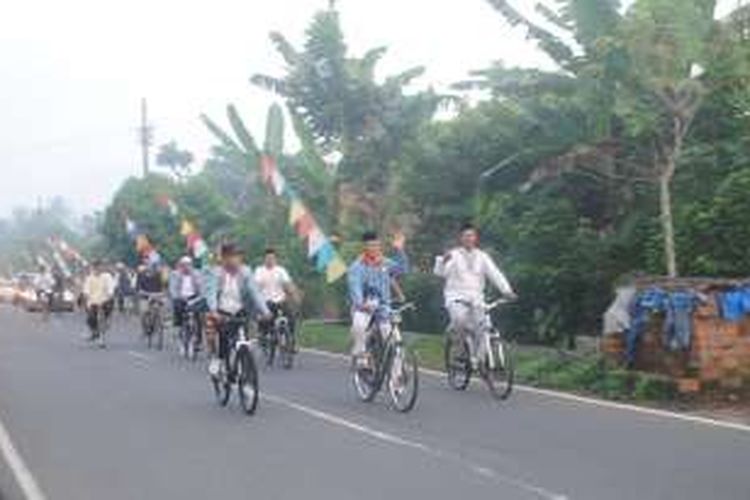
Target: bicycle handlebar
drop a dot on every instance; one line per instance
(487, 306)
(399, 307)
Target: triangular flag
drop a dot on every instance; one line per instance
(200, 249)
(324, 256)
(278, 182)
(186, 228)
(336, 269)
(130, 228)
(296, 211)
(142, 245)
(316, 240)
(267, 168)
(305, 225)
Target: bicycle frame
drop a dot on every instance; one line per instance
(486, 308)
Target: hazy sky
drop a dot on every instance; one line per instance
(72, 74)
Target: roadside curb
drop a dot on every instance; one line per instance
(601, 403)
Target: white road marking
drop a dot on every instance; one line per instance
(22, 474)
(386, 437)
(723, 424)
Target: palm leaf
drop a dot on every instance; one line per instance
(287, 51)
(405, 77)
(225, 139)
(270, 83)
(274, 144)
(238, 126)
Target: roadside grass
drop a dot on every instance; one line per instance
(582, 373)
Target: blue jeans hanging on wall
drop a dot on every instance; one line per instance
(646, 303)
(678, 324)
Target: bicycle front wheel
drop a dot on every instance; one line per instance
(499, 368)
(403, 379)
(247, 380)
(457, 362)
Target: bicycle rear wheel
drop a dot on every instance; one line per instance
(286, 348)
(403, 378)
(499, 378)
(457, 362)
(159, 333)
(247, 380)
(270, 342)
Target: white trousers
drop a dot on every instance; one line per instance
(470, 322)
(361, 330)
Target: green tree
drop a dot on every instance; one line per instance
(177, 160)
(338, 106)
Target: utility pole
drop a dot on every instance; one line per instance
(145, 132)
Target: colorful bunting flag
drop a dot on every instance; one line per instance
(315, 241)
(336, 269)
(324, 256)
(267, 168)
(296, 211)
(187, 228)
(305, 225)
(278, 182)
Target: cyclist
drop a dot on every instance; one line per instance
(151, 287)
(466, 270)
(370, 281)
(44, 282)
(98, 296)
(276, 288)
(186, 287)
(230, 292)
(124, 289)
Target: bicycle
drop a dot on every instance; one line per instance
(495, 365)
(101, 325)
(237, 365)
(189, 335)
(152, 320)
(280, 337)
(393, 364)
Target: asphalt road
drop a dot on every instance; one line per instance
(128, 423)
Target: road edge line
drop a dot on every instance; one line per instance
(614, 405)
(18, 468)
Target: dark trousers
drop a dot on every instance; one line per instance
(228, 329)
(92, 315)
(277, 308)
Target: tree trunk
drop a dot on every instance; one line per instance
(667, 223)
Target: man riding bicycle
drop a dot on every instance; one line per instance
(231, 292)
(370, 281)
(276, 288)
(466, 270)
(124, 289)
(44, 282)
(186, 292)
(98, 296)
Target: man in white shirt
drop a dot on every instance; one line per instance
(98, 294)
(276, 287)
(466, 270)
(231, 292)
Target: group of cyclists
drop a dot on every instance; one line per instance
(229, 292)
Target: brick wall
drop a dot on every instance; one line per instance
(719, 354)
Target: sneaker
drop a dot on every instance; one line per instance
(214, 367)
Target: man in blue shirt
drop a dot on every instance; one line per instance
(370, 279)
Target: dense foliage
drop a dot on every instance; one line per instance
(578, 177)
